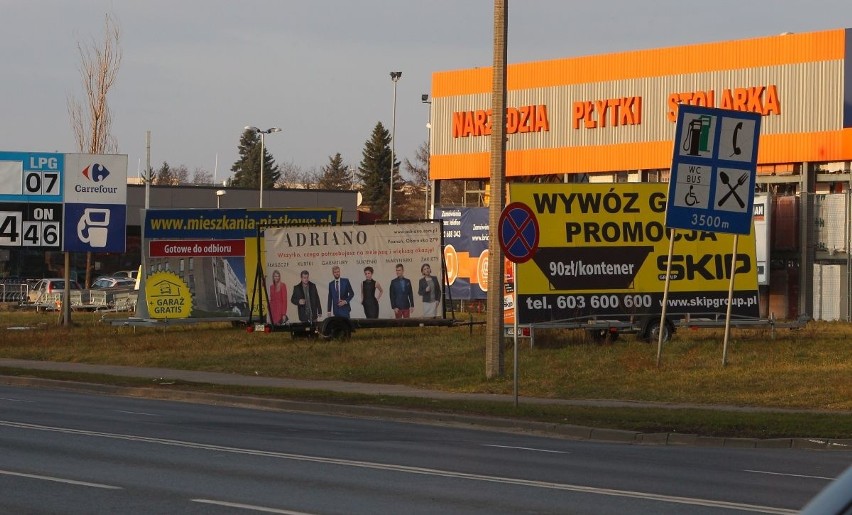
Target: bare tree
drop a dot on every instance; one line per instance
(419, 169)
(294, 177)
(201, 176)
(91, 120)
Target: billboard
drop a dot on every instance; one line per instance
(603, 251)
(210, 256)
(383, 248)
(466, 250)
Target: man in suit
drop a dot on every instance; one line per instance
(401, 294)
(340, 292)
(306, 299)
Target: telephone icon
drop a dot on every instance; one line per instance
(737, 149)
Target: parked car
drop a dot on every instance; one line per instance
(107, 282)
(47, 286)
(126, 274)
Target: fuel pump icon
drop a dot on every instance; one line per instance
(93, 227)
(697, 136)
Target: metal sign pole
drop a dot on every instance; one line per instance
(730, 301)
(665, 297)
(515, 325)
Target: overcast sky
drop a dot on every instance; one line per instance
(195, 72)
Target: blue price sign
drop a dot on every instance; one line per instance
(714, 170)
(31, 177)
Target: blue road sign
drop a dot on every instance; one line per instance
(518, 232)
(714, 170)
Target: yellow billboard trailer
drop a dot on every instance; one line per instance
(603, 253)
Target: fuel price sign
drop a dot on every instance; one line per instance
(31, 225)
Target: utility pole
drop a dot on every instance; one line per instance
(494, 328)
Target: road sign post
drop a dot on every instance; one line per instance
(711, 187)
(519, 234)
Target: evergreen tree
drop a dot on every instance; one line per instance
(247, 168)
(335, 175)
(374, 171)
(165, 176)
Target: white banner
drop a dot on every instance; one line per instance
(382, 248)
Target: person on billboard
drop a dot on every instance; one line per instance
(306, 299)
(401, 294)
(277, 300)
(371, 292)
(430, 291)
(339, 294)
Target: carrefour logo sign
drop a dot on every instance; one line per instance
(96, 172)
(96, 179)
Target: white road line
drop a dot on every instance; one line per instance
(525, 448)
(13, 400)
(137, 413)
(414, 470)
(790, 475)
(59, 480)
(249, 507)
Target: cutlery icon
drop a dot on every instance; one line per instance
(727, 181)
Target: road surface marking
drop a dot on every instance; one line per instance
(412, 470)
(790, 475)
(59, 480)
(525, 448)
(249, 507)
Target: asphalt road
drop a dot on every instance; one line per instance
(71, 452)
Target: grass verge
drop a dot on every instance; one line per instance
(808, 369)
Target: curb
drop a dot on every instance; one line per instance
(567, 431)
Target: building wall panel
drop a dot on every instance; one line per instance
(806, 123)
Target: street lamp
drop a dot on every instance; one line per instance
(395, 76)
(424, 98)
(262, 153)
(219, 195)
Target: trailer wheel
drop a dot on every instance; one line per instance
(652, 333)
(601, 335)
(336, 328)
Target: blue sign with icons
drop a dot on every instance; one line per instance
(95, 227)
(714, 170)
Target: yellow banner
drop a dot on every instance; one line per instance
(605, 247)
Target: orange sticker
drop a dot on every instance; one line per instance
(451, 260)
(482, 270)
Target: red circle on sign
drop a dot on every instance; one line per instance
(518, 232)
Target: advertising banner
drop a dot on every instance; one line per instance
(603, 251)
(374, 261)
(210, 257)
(466, 250)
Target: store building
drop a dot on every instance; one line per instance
(611, 118)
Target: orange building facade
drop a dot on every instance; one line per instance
(617, 112)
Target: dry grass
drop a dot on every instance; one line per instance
(807, 369)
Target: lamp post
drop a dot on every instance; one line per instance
(424, 98)
(395, 76)
(219, 195)
(262, 153)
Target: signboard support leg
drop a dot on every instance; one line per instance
(730, 301)
(515, 332)
(258, 291)
(665, 297)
